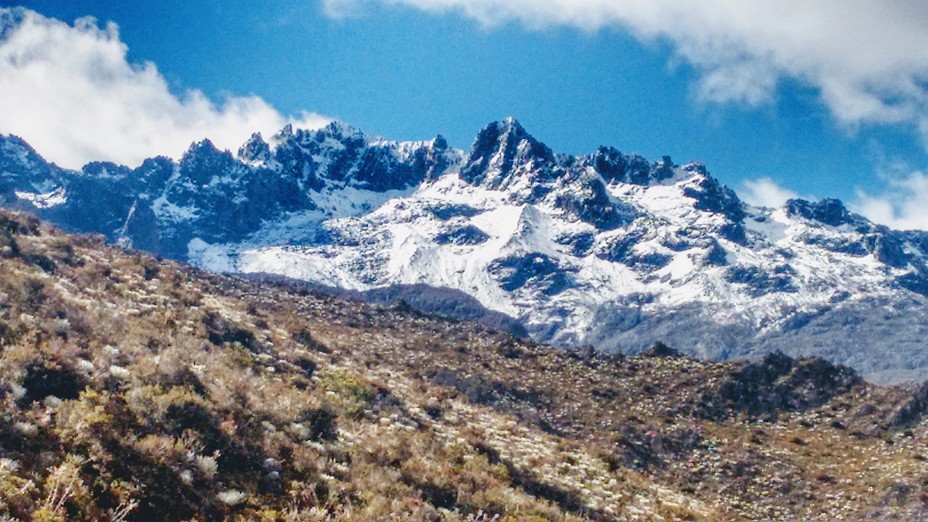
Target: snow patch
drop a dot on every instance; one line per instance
(170, 212)
(45, 200)
(217, 258)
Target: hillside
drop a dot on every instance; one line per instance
(608, 250)
(138, 389)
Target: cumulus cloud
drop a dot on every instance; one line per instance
(901, 206)
(71, 93)
(867, 59)
(764, 192)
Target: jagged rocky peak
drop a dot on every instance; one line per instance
(203, 150)
(105, 169)
(338, 129)
(439, 144)
(203, 161)
(662, 169)
(204, 146)
(11, 144)
(504, 149)
(335, 134)
(153, 173)
(616, 167)
(286, 131)
(695, 169)
(342, 155)
(432, 158)
(827, 211)
(587, 199)
(712, 196)
(255, 150)
(19, 160)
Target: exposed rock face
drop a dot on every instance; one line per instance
(505, 150)
(778, 383)
(828, 211)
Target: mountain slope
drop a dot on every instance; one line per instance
(607, 250)
(133, 389)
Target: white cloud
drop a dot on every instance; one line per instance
(868, 59)
(901, 206)
(71, 93)
(764, 192)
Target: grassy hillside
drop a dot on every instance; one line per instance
(136, 389)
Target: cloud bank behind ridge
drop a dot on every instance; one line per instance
(71, 93)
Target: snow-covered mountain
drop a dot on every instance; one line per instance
(608, 250)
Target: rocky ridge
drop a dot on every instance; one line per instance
(608, 250)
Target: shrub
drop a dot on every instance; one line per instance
(44, 379)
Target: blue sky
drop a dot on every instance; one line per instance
(773, 106)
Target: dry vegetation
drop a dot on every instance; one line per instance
(133, 389)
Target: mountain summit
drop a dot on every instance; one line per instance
(608, 250)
